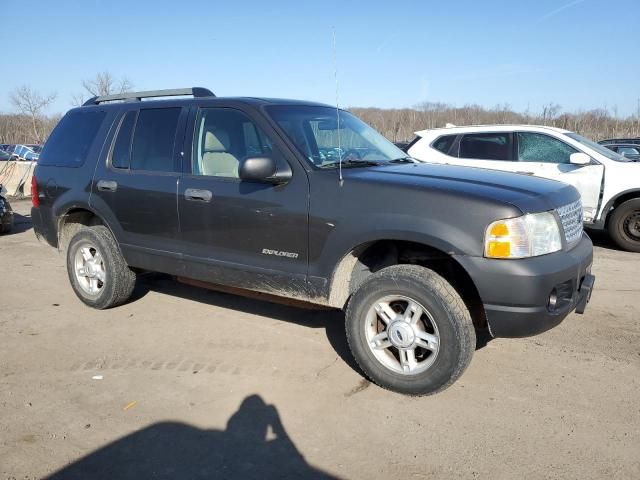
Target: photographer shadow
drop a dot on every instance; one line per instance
(254, 445)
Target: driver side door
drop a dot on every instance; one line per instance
(234, 232)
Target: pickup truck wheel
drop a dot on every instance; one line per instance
(98, 273)
(409, 330)
(624, 225)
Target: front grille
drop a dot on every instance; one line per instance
(571, 218)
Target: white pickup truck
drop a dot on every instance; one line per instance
(608, 182)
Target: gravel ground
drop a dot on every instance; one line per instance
(187, 383)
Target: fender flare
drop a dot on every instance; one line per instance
(606, 211)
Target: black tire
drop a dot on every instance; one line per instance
(457, 338)
(119, 279)
(624, 225)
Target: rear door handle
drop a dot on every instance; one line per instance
(197, 195)
(107, 186)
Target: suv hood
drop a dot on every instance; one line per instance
(529, 194)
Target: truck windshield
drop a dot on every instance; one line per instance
(324, 139)
(610, 154)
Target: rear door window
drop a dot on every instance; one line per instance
(154, 140)
(487, 146)
(71, 140)
(538, 147)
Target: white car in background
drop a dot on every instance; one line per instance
(608, 182)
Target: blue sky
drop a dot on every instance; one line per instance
(581, 54)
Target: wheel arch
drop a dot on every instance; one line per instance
(614, 202)
(368, 257)
(72, 218)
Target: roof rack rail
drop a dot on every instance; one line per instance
(137, 96)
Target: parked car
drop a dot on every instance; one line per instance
(633, 141)
(627, 150)
(402, 145)
(282, 197)
(608, 183)
(6, 213)
(24, 152)
(4, 156)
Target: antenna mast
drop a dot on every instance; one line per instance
(335, 74)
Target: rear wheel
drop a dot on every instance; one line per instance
(97, 271)
(409, 330)
(624, 225)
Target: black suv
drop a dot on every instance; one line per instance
(305, 201)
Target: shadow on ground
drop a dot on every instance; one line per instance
(254, 445)
(331, 320)
(21, 223)
(601, 238)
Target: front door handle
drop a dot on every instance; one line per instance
(197, 195)
(107, 186)
(526, 173)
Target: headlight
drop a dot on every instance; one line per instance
(526, 236)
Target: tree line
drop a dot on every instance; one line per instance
(30, 123)
(399, 125)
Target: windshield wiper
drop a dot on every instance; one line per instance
(352, 163)
(402, 160)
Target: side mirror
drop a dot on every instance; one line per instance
(262, 169)
(579, 158)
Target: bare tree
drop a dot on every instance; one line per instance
(400, 125)
(32, 104)
(104, 83)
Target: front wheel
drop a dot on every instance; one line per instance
(624, 225)
(409, 330)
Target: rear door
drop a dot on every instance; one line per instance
(549, 157)
(136, 184)
(238, 233)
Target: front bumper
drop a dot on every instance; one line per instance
(529, 296)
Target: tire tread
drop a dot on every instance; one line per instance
(450, 300)
(123, 279)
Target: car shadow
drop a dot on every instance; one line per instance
(254, 445)
(601, 238)
(331, 320)
(21, 223)
(483, 337)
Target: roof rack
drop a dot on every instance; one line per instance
(137, 96)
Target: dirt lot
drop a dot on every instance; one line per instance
(198, 384)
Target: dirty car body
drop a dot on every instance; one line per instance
(256, 194)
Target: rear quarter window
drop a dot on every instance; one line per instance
(70, 142)
(443, 144)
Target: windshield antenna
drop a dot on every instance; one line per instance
(335, 74)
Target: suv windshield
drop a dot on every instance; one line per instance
(323, 137)
(610, 154)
